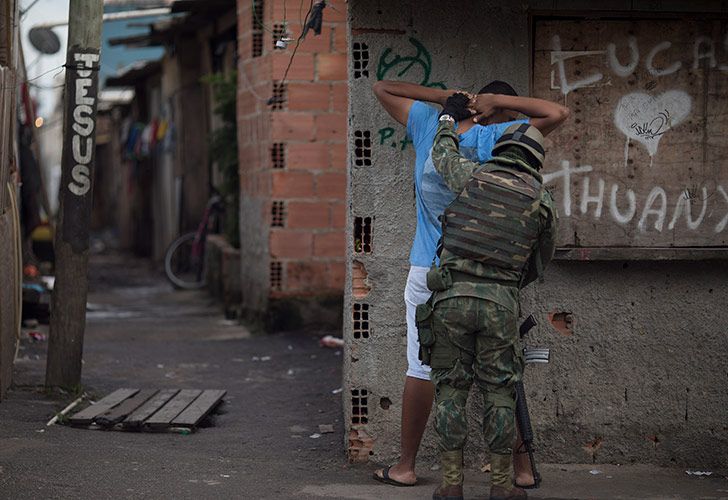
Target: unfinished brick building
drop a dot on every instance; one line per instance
(292, 162)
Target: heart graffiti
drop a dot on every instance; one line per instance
(646, 118)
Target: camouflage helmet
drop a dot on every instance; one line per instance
(524, 135)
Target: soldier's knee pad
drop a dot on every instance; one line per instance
(499, 422)
(501, 398)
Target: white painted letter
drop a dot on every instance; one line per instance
(82, 181)
(82, 84)
(586, 198)
(79, 157)
(651, 56)
(634, 54)
(622, 219)
(566, 172)
(684, 200)
(721, 225)
(558, 57)
(84, 123)
(698, 55)
(88, 61)
(656, 192)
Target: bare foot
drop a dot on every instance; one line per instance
(524, 478)
(398, 474)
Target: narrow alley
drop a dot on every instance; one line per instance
(142, 333)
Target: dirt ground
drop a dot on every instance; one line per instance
(281, 387)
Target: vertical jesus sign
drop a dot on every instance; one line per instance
(68, 306)
(79, 164)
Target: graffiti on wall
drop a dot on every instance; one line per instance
(387, 133)
(704, 49)
(393, 65)
(646, 118)
(618, 203)
(417, 68)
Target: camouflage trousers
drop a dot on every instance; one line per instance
(476, 341)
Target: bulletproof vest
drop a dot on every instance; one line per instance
(495, 219)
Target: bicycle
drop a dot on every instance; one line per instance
(184, 261)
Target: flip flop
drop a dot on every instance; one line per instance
(384, 478)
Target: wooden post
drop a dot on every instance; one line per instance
(10, 267)
(68, 313)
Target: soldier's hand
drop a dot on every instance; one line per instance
(457, 106)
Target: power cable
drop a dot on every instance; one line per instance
(25, 10)
(304, 30)
(20, 84)
(255, 18)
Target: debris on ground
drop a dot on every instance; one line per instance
(30, 323)
(485, 468)
(326, 428)
(594, 472)
(331, 341)
(337, 391)
(37, 336)
(698, 472)
(65, 411)
(315, 435)
(170, 410)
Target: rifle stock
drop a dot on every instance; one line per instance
(523, 419)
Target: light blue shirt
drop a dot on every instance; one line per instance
(432, 195)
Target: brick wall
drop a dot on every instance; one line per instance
(292, 153)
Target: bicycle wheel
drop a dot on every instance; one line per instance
(182, 268)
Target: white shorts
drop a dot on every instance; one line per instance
(415, 293)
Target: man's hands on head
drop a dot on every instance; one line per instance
(457, 106)
(483, 106)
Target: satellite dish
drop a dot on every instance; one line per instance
(44, 40)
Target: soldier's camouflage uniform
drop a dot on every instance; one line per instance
(472, 322)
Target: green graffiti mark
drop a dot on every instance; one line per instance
(403, 65)
(387, 133)
(384, 134)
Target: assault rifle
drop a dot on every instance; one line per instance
(531, 355)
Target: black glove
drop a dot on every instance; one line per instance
(457, 107)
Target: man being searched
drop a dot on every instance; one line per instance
(497, 237)
(410, 105)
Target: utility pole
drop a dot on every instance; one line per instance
(68, 312)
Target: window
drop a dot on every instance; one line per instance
(360, 317)
(278, 214)
(362, 148)
(360, 55)
(359, 406)
(280, 97)
(276, 275)
(362, 235)
(278, 155)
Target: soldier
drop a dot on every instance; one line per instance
(498, 235)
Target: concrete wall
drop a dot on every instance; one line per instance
(636, 375)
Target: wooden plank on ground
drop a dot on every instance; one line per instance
(126, 407)
(149, 408)
(173, 408)
(199, 408)
(87, 415)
